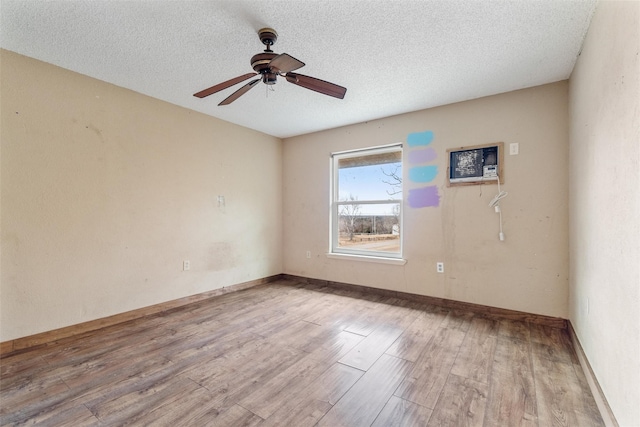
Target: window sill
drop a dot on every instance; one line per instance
(376, 259)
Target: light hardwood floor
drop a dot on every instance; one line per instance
(293, 354)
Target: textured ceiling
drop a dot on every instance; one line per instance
(393, 56)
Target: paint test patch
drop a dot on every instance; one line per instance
(423, 173)
(422, 155)
(420, 138)
(424, 197)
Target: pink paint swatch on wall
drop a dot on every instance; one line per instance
(423, 155)
(424, 197)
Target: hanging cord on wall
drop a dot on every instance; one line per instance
(495, 204)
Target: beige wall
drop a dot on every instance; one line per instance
(105, 192)
(605, 204)
(528, 271)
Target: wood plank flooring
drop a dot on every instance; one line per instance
(299, 354)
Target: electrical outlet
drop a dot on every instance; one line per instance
(308, 254)
(186, 265)
(514, 148)
(440, 267)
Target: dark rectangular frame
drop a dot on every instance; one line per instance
(451, 152)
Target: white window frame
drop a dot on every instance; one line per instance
(367, 255)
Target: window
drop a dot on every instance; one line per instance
(366, 208)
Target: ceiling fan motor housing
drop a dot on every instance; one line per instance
(260, 62)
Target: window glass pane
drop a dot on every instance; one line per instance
(372, 177)
(369, 227)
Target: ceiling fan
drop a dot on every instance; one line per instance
(269, 65)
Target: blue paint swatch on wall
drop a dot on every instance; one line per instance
(423, 173)
(422, 155)
(420, 138)
(424, 197)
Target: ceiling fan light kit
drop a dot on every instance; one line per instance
(269, 65)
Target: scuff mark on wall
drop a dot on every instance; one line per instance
(222, 256)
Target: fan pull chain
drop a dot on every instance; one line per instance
(269, 88)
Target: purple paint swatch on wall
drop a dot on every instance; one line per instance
(424, 197)
(424, 155)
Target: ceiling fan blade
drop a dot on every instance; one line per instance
(237, 94)
(285, 63)
(223, 85)
(317, 85)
